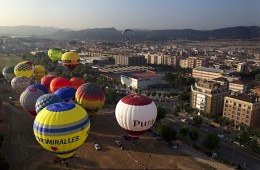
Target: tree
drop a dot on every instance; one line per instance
(148, 93)
(197, 120)
(154, 93)
(194, 134)
(184, 131)
(161, 112)
(211, 141)
(257, 77)
(159, 94)
(168, 132)
(164, 95)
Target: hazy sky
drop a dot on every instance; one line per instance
(134, 14)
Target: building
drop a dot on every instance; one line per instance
(130, 60)
(141, 80)
(208, 96)
(242, 67)
(206, 73)
(222, 81)
(193, 62)
(238, 86)
(243, 109)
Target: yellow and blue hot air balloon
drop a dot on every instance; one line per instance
(70, 60)
(54, 54)
(23, 69)
(61, 128)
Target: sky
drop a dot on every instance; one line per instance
(132, 14)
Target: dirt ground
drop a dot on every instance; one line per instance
(22, 151)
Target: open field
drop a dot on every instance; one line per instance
(22, 151)
(9, 60)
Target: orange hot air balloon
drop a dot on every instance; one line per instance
(46, 80)
(59, 82)
(76, 82)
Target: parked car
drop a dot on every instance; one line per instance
(97, 146)
(117, 142)
(128, 138)
(175, 145)
(221, 136)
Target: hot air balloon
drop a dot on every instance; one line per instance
(23, 69)
(28, 99)
(40, 87)
(46, 80)
(39, 72)
(54, 54)
(29, 63)
(59, 82)
(20, 83)
(46, 100)
(135, 113)
(8, 73)
(67, 94)
(61, 128)
(70, 60)
(76, 82)
(90, 97)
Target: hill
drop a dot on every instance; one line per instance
(240, 32)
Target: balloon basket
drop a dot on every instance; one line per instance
(61, 161)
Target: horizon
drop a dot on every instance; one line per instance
(122, 14)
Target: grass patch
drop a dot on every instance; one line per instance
(9, 60)
(204, 165)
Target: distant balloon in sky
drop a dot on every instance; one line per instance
(70, 60)
(61, 128)
(54, 54)
(135, 113)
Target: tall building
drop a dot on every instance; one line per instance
(243, 109)
(193, 62)
(208, 96)
(130, 60)
(242, 67)
(206, 73)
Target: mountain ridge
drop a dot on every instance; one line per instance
(238, 32)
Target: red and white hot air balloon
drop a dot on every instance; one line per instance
(135, 113)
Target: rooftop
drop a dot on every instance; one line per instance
(245, 98)
(142, 75)
(208, 69)
(239, 81)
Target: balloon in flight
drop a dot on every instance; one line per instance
(46, 80)
(40, 87)
(76, 82)
(23, 69)
(39, 72)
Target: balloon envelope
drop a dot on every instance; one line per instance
(67, 94)
(70, 60)
(8, 73)
(61, 128)
(20, 83)
(76, 82)
(46, 100)
(54, 54)
(23, 69)
(135, 113)
(46, 80)
(90, 97)
(39, 72)
(59, 82)
(40, 87)
(28, 99)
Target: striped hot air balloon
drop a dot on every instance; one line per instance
(90, 97)
(61, 128)
(28, 99)
(135, 113)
